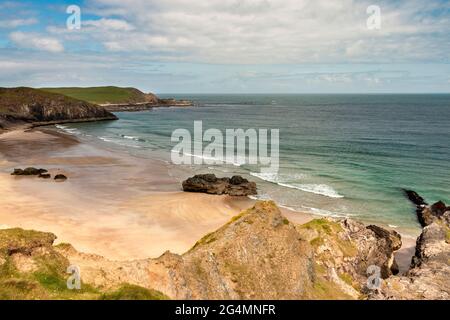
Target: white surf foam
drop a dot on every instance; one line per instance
(68, 130)
(132, 138)
(327, 213)
(277, 177)
(209, 158)
(321, 189)
(281, 180)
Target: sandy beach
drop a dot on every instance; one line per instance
(116, 205)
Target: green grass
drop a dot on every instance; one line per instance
(101, 94)
(47, 279)
(323, 226)
(133, 292)
(326, 229)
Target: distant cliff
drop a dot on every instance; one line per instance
(36, 107)
(118, 98)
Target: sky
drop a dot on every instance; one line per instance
(229, 46)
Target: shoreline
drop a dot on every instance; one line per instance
(140, 214)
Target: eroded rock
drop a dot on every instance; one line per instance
(209, 183)
(429, 274)
(60, 177)
(30, 171)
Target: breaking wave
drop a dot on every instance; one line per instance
(283, 180)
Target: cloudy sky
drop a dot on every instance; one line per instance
(229, 46)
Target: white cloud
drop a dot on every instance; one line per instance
(14, 23)
(271, 31)
(109, 24)
(36, 41)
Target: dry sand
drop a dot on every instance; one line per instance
(113, 204)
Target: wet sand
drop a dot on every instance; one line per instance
(115, 205)
(119, 206)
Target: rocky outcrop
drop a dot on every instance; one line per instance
(36, 107)
(426, 214)
(345, 250)
(146, 105)
(415, 198)
(209, 183)
(429, 274)
(30, 171)
(60, 177)
(259, 254)
(174, 103)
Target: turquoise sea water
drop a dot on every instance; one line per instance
(340, 155)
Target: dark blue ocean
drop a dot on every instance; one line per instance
(340, 155)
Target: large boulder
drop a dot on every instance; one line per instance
(60, 177)
(209, 183)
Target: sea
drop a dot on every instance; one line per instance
(340, 155)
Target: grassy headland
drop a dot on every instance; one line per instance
(104, 95)
(33, 106)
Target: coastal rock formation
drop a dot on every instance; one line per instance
(429, 274)
(146, 105)
(259, 254)
(114, 98)
(32, 106)
(344, 251)
(209, 183)
(60, 177)
(30, 171)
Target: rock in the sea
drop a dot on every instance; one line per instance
(426, 214)
(44, 176)
(209, 183)
(60, 177)
(415, 198)
(30, 171)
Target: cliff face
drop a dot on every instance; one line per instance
(429, 274)
(117, 98)
(32, 106)
(258, 254)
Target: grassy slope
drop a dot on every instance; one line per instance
(101, 94)
(43, 272)
(11, 97)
